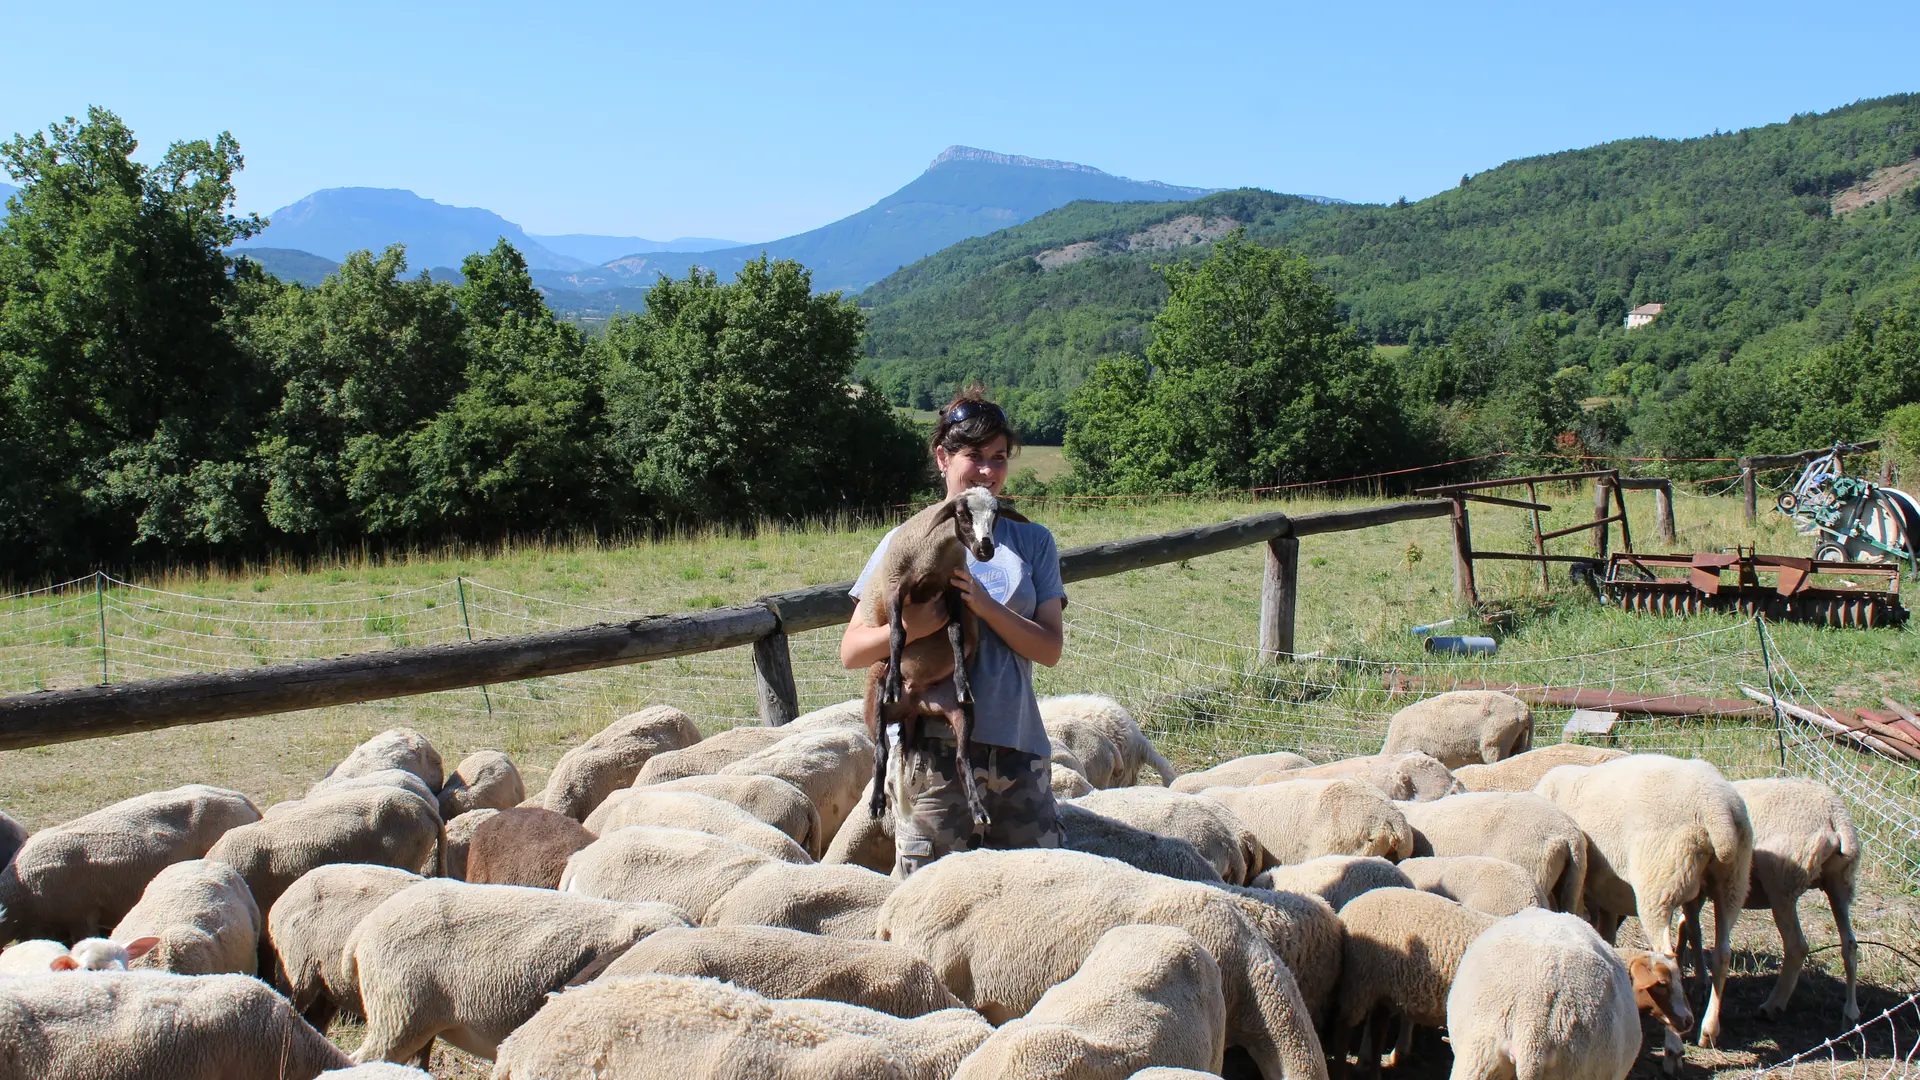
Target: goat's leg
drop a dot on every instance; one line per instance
(960, 717)
(894, 687)
(957, 637)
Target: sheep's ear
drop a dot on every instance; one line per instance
(63, 963)
(948, 511)
(140, 946)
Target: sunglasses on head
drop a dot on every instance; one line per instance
(967, 410)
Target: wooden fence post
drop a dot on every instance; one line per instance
(1663, 513)
(1279, 595)
(773, 678)
(1463, 554)
(1750, 486)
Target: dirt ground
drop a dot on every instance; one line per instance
(1881, 917)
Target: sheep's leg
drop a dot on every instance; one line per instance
(320, 1013)
(1606, 923)
(1729, 894)
(1271, 1021)
(956, 636)
(1690, 943)
(1840, 896)
(1403, 1045)
(1342, 1034)
(1793, 954)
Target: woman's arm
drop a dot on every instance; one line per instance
(1039, 639)
(862, 646)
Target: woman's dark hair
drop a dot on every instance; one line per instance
(970, 420)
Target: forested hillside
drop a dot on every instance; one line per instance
(1736, 233)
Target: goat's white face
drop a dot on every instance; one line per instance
(974, 517)
(99, 954)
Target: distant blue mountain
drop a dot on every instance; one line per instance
(599, 249)
(964, 193)
(335, 221)
(289, 265)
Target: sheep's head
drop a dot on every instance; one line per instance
(1658, 989)
(99, 954)
(974, 513)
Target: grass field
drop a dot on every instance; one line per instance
(1173, 642)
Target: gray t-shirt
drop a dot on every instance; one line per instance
(1024, 573)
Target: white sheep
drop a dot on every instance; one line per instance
(78, 879)
(484, 779)
(768, 798)
(1538, 996)
(832, 766)
(204, 918)
(1335, 878)
(1106, 744)
(1463, 727)
(612, 758)
(690, 870)
(524, 845)
(1205, 822)
(378, 1070)
(395, 778)
(1305, 819)
(703, 1029)
(1305, 933)
(1082, 829)
(1481, 882)
(779, 963)
(1411, 776)
(711, 754)
(470, 963)
(39, 956)
(149, 1025)
(1517, 826)
(459, 839)
(398, 748)
(1145, 995)
(1521, 771)
(1803, 838)
(849, 714)
(980, 918)
(1239, 772)
(1066, 781)
(309, 927)
(1665, 835)
(1163, 1073)
(833, 901)
(1402, 949)
(691, 810)
(864, 839)
(384, 826)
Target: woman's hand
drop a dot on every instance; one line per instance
(978, 600)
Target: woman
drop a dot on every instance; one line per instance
(1018, 599)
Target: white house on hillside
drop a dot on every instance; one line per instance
(1643, 315)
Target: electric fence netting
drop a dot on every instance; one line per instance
(1202, 698)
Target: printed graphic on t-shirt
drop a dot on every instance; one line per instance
(996, 581)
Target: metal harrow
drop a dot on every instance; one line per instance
(1692, 584)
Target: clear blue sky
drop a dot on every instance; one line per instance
(753, 122)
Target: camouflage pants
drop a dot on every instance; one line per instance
(929, 807)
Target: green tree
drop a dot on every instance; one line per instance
(522, 447)
(362, 360)
(1251, 379)
(732, 401)
(126, 406)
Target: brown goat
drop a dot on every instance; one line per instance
(927, 677)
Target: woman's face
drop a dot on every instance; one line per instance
(974, 466)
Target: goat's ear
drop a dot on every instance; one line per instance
(141, 946)
(1008, 513)
(947, 510)
(63, 963)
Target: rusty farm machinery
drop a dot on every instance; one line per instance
(1872, 527)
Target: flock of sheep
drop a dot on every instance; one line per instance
(682, 907)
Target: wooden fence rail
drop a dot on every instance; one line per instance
(53, 716)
